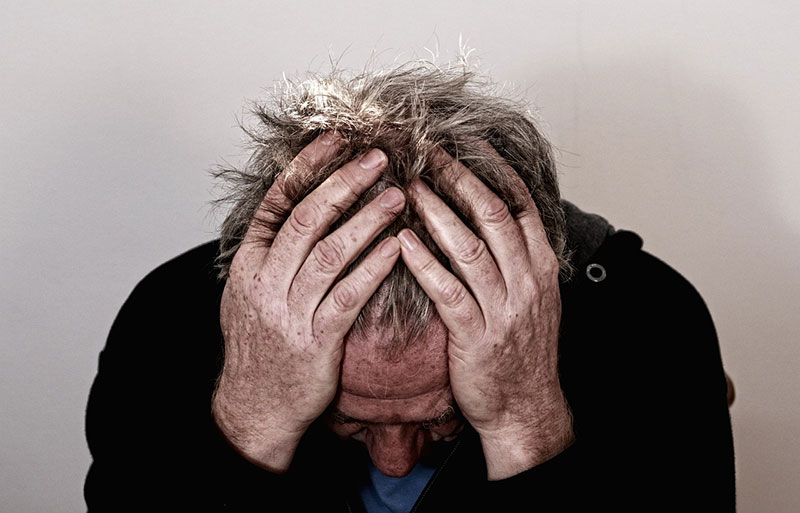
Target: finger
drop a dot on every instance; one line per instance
(528, 218)
(490, 214)
(335, 252)
(312, 217)
(468, 254)
(458, 309)
(276, 206)
(339, 310)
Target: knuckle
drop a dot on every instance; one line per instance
(549, 264)
(345, 296)
(369, 271)
(329, 255)
(471, 250)
(453, 293)
(493, 210)
(264, 226)
(428, 266)
(275, 197)
(304, 218)
(277, 191)
(554, 266)
(302, 162)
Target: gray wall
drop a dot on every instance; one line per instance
(673, 119)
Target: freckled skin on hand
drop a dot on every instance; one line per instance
(283, 334)
(494, 354)
(502, 320)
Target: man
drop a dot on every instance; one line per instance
(409, 319)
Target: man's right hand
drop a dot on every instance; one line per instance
(284, 316)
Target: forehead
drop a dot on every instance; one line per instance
(415, 384)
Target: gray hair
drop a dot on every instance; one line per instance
(406, 111)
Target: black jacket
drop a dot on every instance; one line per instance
(640, 366)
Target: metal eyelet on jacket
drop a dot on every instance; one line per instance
(596, 272)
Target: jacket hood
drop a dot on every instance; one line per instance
(592, 241)
(585, 234)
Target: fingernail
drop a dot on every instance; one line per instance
(330, 138)
(408, 238)
(389, 247)
(392, 197)
(372, 159)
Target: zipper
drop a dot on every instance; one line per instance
(435, 475)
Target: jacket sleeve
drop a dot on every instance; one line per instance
(153, 442)
(643, 373)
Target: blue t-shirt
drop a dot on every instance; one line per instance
(383, 494)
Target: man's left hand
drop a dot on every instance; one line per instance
(502, 311)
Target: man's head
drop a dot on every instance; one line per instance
(394, 385)
(396, 406)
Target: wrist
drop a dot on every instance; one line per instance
(269, 447)
(516, 448)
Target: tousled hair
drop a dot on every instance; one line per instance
(406, 111)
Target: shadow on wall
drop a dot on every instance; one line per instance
(686, 162)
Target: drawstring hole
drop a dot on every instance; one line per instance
(596, 272)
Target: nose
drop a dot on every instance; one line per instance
(395, 448)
